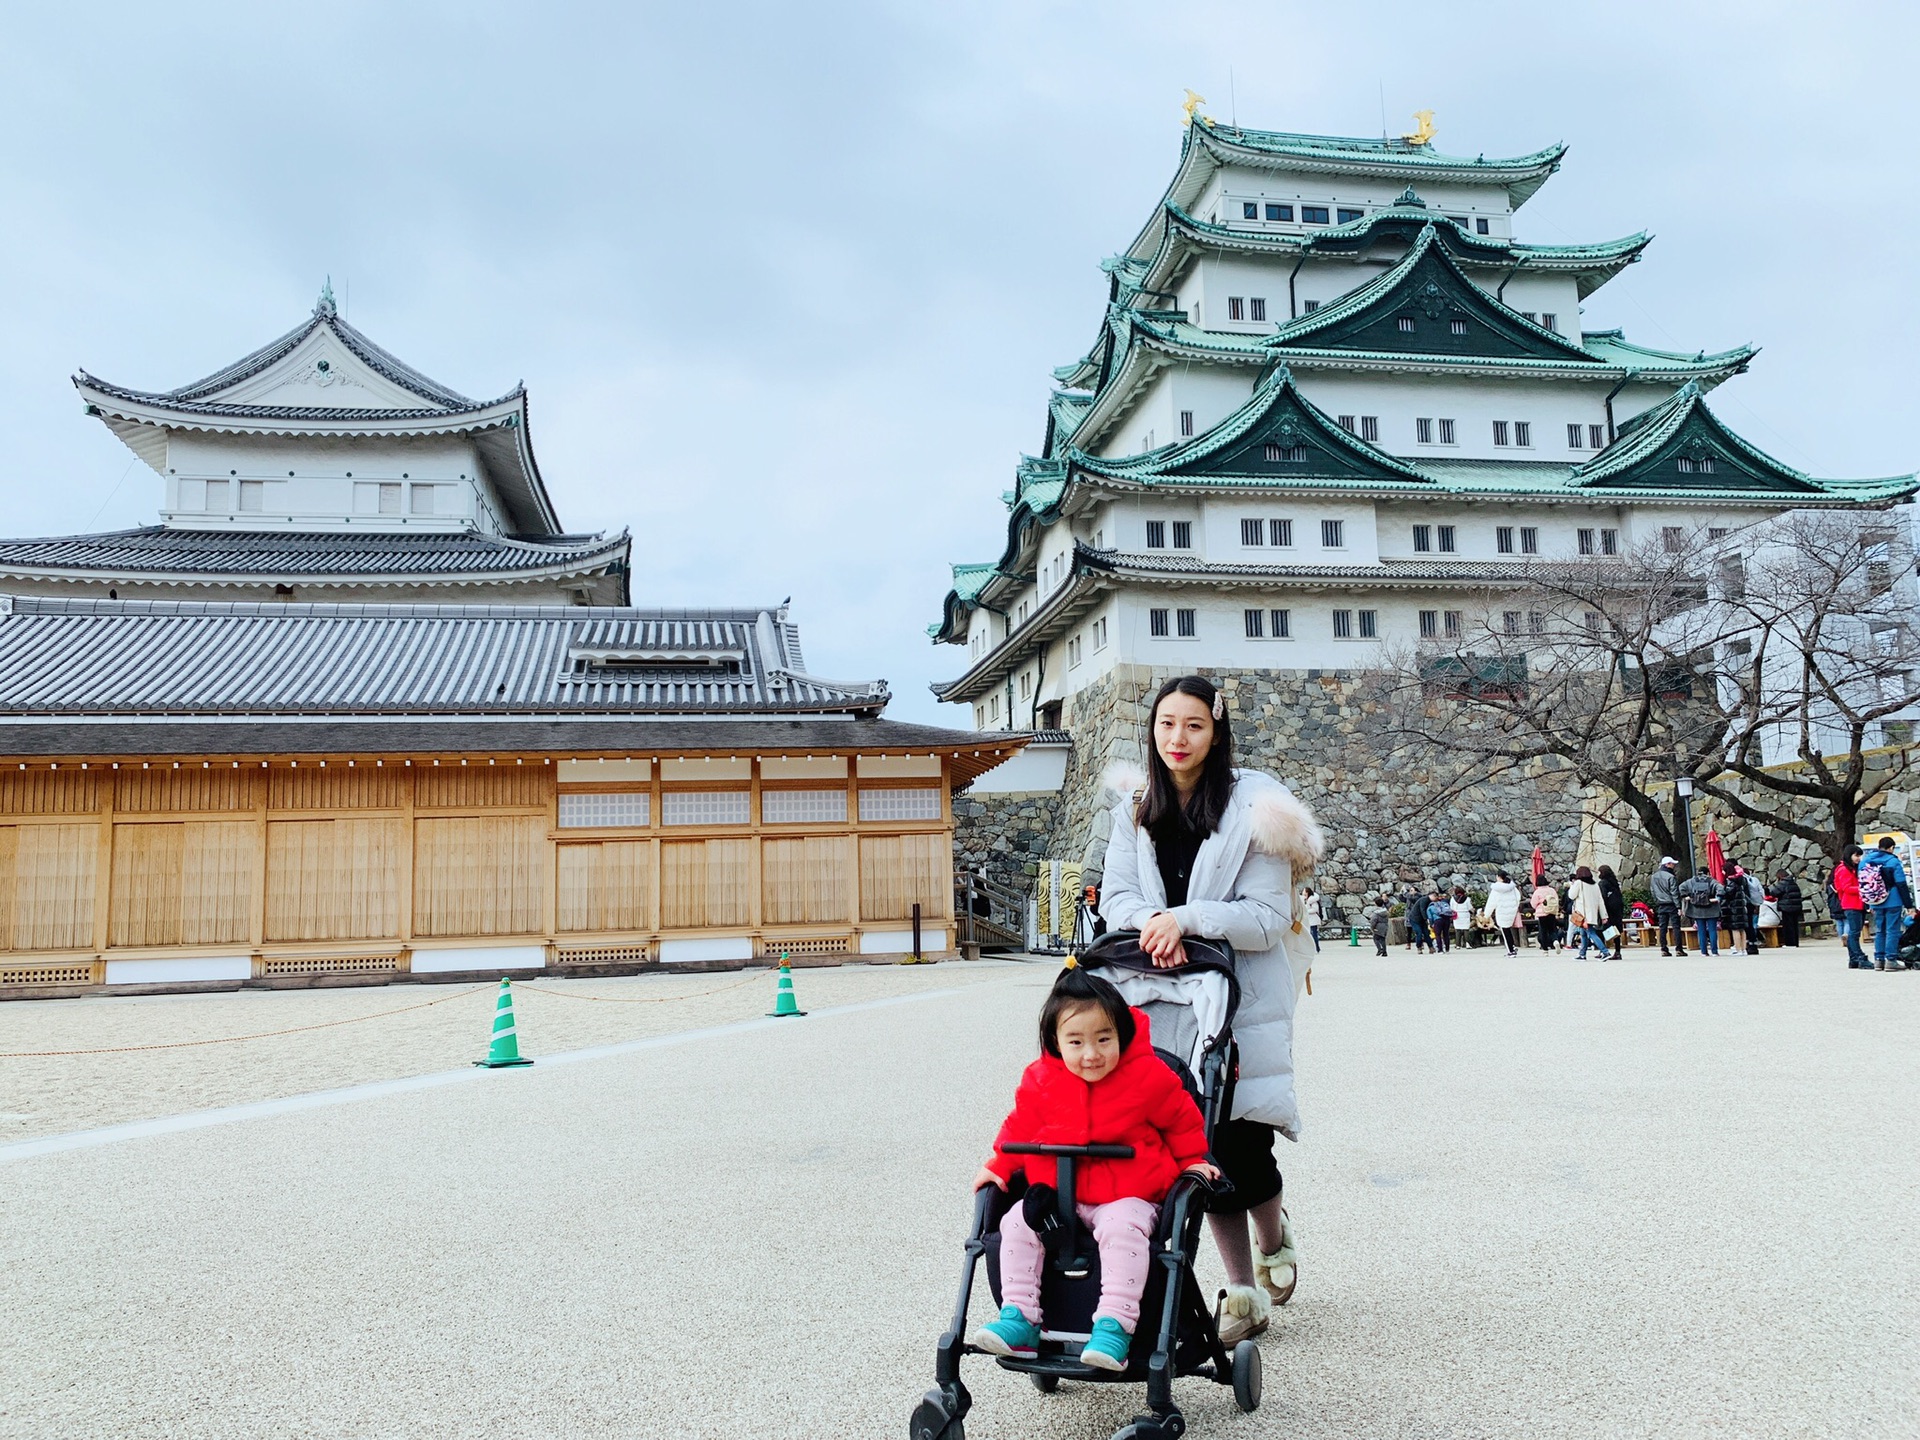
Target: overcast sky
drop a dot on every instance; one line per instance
(786, 281)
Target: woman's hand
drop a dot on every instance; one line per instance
(1204, 1170)
(985, 1178)
(1160, 938)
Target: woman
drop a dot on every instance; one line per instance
(1545, 904)
(1736, 908)
(1616, 902)
(1419, 928)
(1462, 908)
(1315, 916)
(1440, 920)
(1852, 913)
(1585, 909)
(1204, 849)
(1503, 909)
(1793, 904)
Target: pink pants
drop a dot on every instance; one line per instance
(1123, 1229)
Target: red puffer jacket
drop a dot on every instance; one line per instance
(1140, 1102)
(1846, 884)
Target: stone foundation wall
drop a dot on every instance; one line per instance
(1006, 835)
(1759, 846)
(1318, 732)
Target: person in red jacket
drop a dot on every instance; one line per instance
(1097, 1082)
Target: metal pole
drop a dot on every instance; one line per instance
(916, 931)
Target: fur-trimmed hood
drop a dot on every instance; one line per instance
(1280, 825)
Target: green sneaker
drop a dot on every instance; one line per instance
(1012, 1334)
(1107, 1349)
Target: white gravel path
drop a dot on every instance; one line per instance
(1657, 1198)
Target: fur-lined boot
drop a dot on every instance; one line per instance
(1243, 1314)
(1279, 1272)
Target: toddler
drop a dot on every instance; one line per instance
(1097, 1082)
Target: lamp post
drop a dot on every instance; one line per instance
(1683, 788)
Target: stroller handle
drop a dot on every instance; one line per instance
(1095, 1152)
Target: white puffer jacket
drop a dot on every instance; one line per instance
(1242, 892)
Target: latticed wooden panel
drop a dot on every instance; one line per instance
(479, 876)
(329, 964)
(773, 949)
(47, 880)
(57, 972)
(168, 791)
(49, 792)
(605, 886)
(338, 787)
(190, 883)
(335, 879)
(706, 883)
(804, 881)
(898, 872)
(635, 954)
(481, 787)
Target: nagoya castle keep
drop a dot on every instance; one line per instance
(1333, 398)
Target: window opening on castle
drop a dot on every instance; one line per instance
(1309, 306)
(1185, 622)
(1369, 427)
(1448, 533)
(1536, 623)
(1313, 214)
(1446, 432)
(1333, 534)
(1346, 215)
(1157, 623)
(1369, 624)
(1280, 533)
(1343, 624)
(1596, 437)
(1253, 532)
(1282, 621)
(1422, 539)
(1549, 319)
(1183, 534)
(1406, 323)
(1459, 327)
(1454, 620)
(1186, 422)
(1279, 212)
(1480, 225)
(1585, 539)
(1673, 539)
(1529, 540)
(1348, 424)
(1256, 624)
(1510, 621)
(1500, 432)
(1503, 539)
(1609, 542)
(1523, 432)
(1249, 210)
(1257, 307)
(1156, 534)
(1236, 307)
(1429, 624)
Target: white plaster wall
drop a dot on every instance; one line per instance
(1036, 768)
(478, 957)
(1220, 200)
(310, 480)
(1472, 404)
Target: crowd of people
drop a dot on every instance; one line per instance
(1868, 895)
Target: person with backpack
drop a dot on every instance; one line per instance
(1888, 897)
(1792, 904)
(1665, 889)
(1701, 895)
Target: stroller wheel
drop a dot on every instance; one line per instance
(1246, 1376)
(1045, 1384)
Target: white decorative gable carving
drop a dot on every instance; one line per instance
(320, 372)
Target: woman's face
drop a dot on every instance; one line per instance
(1183, 735)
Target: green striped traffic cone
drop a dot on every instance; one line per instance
(505, 1049)
(783, 1001)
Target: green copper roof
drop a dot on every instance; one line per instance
(1520, 175)
(1416, 308)
(1612, 347)
(1278, 435)
(1593, 263)
(1065, 411)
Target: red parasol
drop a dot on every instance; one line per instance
(1716, 858)
(1539, 866)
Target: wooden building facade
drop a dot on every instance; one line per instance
(215, 869)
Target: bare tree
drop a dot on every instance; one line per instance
(1818, 665)
(1709, 657)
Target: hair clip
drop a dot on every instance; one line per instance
(1070, 964)
(1219, 705)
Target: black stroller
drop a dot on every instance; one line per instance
(1191, 1010)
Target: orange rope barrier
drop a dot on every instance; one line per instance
(232, 1039)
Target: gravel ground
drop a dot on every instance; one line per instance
(392, 1031)
(1657, 1198)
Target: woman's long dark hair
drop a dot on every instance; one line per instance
(1208, 806)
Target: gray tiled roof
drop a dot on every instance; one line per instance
(196, 397)
(158, 550)
(156, 658)
(1186, 566)
(972, 753)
